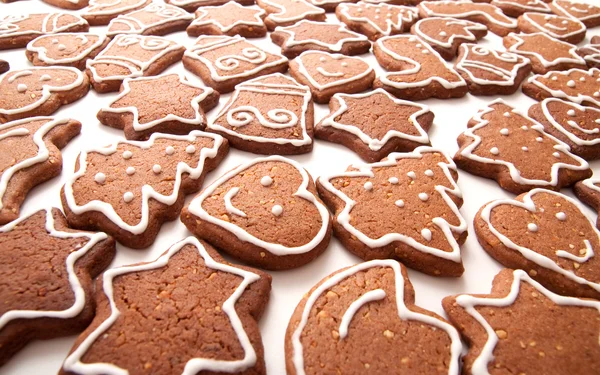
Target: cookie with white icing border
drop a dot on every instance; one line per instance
(374, 124)
(65, 49)
(503, 144)
(4, 66)
(100, 12)
(229, 19)
(515, 8)
(591, 52)
(587, 13)
(376, 20)
(265, 212)
(576, 125)
(289, 12)
(47, 271)
(416, 71)
(31, 149)
(545, 52)
(39, 91)
(153, 19)
(18, 30)
(520, 327)
(319, 36)
(575, 85)
(445, 34)
(224, 61)
(68, 4)
(414, 199)
(273, 114)
(588, 191)
(567, 29)
(372, 301)
(182, 106)
(193, 5)
(131, 56)
(130, 188)
(330, 5)
(190, 296)
(327, 74)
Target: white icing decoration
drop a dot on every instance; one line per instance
(532, 227)
(205, 12)
(399, 203)
(371, 296)
(504, 131)
(170, 150)
(561, 216)
(368, 186)
(127, 154)
(552, 30)
(506, 114)
(573, 11)
(290, 11)
(10, 24)
(572, 58)
(490, 13)
(412, 175)
(156, 168)
(426, 234)
(277, 210)
(571, 83)
(21, 87)
(96, 7)
(429, 173)
(45, 77)
(130, 170)
(358, 62)
(190, 149)
(561, 128)
(329, 74)
(128, 197)
(467, 28)
(266, 181)
(152, 16)
(505, 77)
(100, 178)
(393, 180)
(556, 154)
(337, 46)
(423, 196)
(231, 209)
(494, 151)
(525, 148)
(578, 96)
(397, 16)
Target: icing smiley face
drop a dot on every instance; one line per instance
(576, 85)
(71, 49)
(562, 28)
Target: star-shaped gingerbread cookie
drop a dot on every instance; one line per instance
(229, 19)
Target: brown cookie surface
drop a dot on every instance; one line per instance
(65, 49)
(20, 29)
(413, 198)
(265, 212)
(189, 296)
(229, 19)
(153, 19)
(376, 20)
(515, 8)
(520, 327)
(100, 12)
(68, 4)
(562, 28)
(372, 301)
(588, 13)
(575, 85)
(591, 52)
(505, 145)
(289, 12)
(128, 189)
(588, 191)
(4, 66)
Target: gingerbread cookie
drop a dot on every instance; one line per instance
(576, 85)
(273, 114)
(373, 300)
(181, 109)
(375, 124)
(4, 66)
(193, 5)
(446, 34)
(515, 8)
(189, 296)
(417, 71)
(154, 19)
(487, 14)
(545, 52)
(31, 150)
(523, 328)
(329, 5)
(413, 198)
(265, 212)
(319, 36)
(229, 19)
(100, 12)
(505, 145)
(327, 74)
(39, 91)
(47, 271)
(68, 4)
(588, 191)
(491, 72)
(576, 125)
(587, 13)
(566, 29)
(128, 189)
(131, 56)
(18, 30)
(65, 49)
(376, 20)
(591, 52)
(224, 61)
(289, 12)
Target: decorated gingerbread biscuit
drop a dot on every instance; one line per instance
(154, 19)
(68, 4)
(181, 109)
(224, 61)
(189, 296)
(4, 66)
(39, 91)
(588, 191)
(131, 56)
(373, 300)
(445, 34)
(586, 12)
(265, 212)
(545, 52)
(566, 29)
(591, 52)
(413, 198)
(491, 72)
(327, 74)
(193, 5)
(328, 5)
(508, 146)
(319, 36)
(128, 189)
(47, 271)
(416, 71)
(229, 19)
(575, 85)
(100, 12)
(18, 30)
(273, 114)
(376, 20)
(31, 156)
(374, 124)
(515, 8)
(487, 14)
(576, 125)
(289, 12)
(65, 49)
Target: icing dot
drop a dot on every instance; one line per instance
(524, 127)
(564, 22)
(524, 148)
(425, 52)
(597, 94)
(412, 39)
(393, 180)
(277, 210)
(127, 154)
(130, 170)
(368, 186)
(429, 173)
(504, 131)
(556, 155)
(582, 79)
(399, 203)
(423, 196)
(532, 227)
(62, 47)
(45, 77)
(571, 83)
(377, 10)
(266, 181)
(389, 15)
(190, 149)
(412, 175)
(359, 10)
(170, 150)
(561, 216)
(322, 59)
(494, 150)
(21, 87)
(506, 114)
(418, 45)
(156, 168)
(100, 178)
(54, 41)
(571, 112)
(128, 197)
(539, 139)
(426, 233)
(376, 17)
(344, 64)
(555, 78)
(443, 33)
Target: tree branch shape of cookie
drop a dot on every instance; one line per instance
(378, 19)
(453, 33)
(478, 62)
(576, 85)
(74, 362)
(147, 19)
(353, 319)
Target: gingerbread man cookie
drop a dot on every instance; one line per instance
(229, 19)
(65, 49)
(588, 13)
(18, 30)
(154, 19)
(566, 29)
(591, 52)
(515, 8)
(376, 20)
(576, 85)
(100, 12)
(289, 12)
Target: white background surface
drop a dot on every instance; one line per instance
(451, 116)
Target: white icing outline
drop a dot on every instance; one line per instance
(370, 296)
(95, 4)
(278, 17)
(466, 25)
(579, 99)
(170, 13)
(9, 24)
(572, 137)
(559, 8)
(508, 23)
(340, 82)
(337, 47)
(594, 56)
(205, 11)
(544, 29)
(520, 38)
(508, 78)
(42, 51)
(538, 5)
(405, 15)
